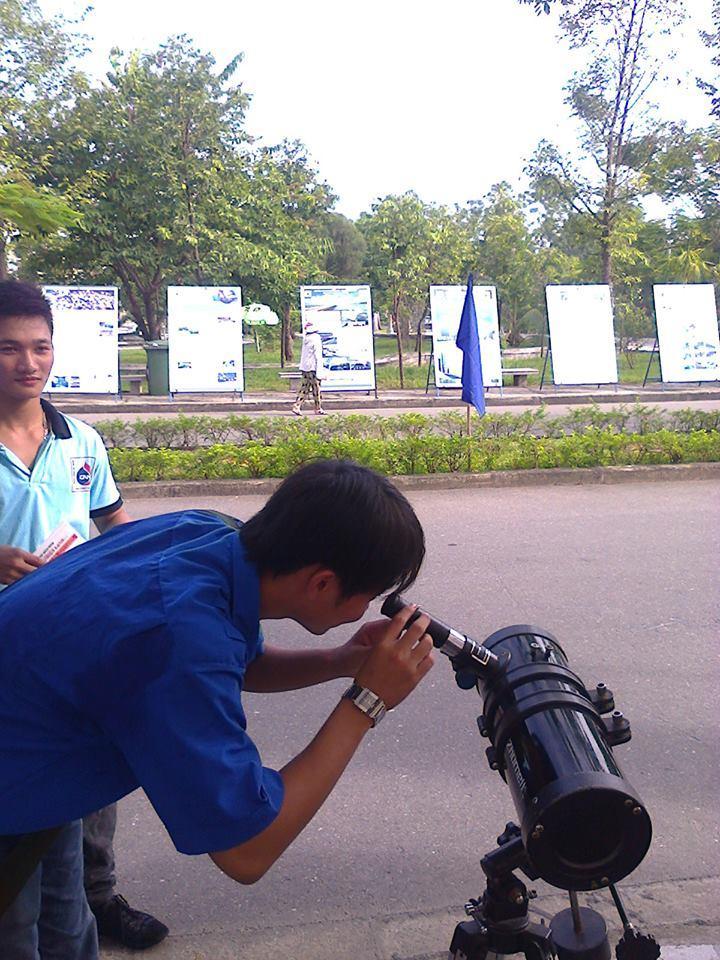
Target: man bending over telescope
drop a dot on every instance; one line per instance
(122, 665)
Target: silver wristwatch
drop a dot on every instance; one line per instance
(367, 701)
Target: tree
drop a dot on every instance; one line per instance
(686, 175)
(712, 41)
(145, 158)
(281, 212)
(38, 78)
(409, 246)
(28, 211)
(619, 137)
(346, 255)
(507, 257)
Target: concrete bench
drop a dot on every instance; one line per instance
(519, 375)
(133, 378)
(292, 376)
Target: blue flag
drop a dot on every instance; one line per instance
(469, 342)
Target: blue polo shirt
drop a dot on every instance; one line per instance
(121, 665)
(70, 480)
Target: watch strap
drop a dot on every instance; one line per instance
(366, 701)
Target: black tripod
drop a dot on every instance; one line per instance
(500, 925)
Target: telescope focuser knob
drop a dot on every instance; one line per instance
(602, 698)
(617, 728)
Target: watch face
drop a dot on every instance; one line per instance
(367, 701)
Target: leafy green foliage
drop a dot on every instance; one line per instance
(419, 455)
(192, 432)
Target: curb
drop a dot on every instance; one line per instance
(558, 476)
(264, 403)
(677, 912)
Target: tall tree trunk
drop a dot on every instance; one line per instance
(606, 251)
(151, 316)
(3, 259)
(398, 337)
(287, 352)
(419, 335)
(136, 309)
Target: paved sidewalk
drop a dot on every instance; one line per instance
(401, 399)
(683, 916)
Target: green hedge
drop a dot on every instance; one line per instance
(188, 432)
(417, 454)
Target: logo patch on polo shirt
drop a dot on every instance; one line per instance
(81, 471)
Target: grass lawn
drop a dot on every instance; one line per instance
(262, 374)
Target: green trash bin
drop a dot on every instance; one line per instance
(158, 368)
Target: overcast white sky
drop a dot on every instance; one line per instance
(443, 98)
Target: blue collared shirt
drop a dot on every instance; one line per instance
(70, 480)
(122, 665)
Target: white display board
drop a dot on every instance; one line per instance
(343, 318)
(446, 303)
(205, 348)
(687, 326)
(85, 339)
(582, 336)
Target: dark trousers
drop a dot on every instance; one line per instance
(50, 917)
(99, 856)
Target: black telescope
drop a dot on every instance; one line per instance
(583, 825)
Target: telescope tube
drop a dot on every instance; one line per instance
(583, 825)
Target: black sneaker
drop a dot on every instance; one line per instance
(117, 921)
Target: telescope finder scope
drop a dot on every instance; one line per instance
(583, 825)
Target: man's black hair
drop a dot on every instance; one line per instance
(19, 299)
(345, 517)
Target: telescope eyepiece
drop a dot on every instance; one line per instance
(465, 653)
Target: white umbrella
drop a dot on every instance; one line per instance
(259, 315)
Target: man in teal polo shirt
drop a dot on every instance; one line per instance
(54, 470)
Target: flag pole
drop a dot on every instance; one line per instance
(469, 427)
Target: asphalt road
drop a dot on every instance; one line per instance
(627, 578)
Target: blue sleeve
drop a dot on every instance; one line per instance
(103, 491)
(184, 738)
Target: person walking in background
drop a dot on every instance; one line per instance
(311, 368)
(55, 473)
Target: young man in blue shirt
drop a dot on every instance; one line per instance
(55, 469)
(124, 662)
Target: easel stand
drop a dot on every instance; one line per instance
(548, 351)
(431, 373)
(655, 349)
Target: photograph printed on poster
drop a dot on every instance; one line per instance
(85, 339)
(687, 326)
(205, 348)
(446, 304)
(342, 316)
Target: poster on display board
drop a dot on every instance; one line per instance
(343, 318)
(582, 336)
(205, 348)
(85, 339)
(446, 303)
(687, 327)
